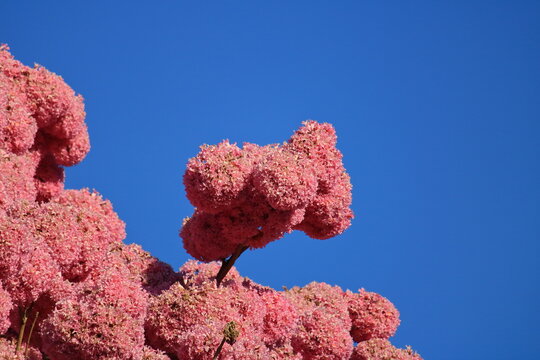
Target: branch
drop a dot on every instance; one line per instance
(227, 264)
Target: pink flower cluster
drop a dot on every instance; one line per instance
(314, 322)
(71, 289)
(41, 129)
(254, 195)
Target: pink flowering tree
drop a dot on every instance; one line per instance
(70, 288)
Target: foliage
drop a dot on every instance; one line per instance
(71, 289)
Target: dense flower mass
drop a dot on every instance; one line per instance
(251, 196)
(382, 349)
(71, 289)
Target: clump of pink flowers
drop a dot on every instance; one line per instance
(247, 197)
(70, 288)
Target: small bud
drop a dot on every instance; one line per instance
(231, 332)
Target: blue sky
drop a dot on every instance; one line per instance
(436, 105)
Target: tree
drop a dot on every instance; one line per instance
(71, 289)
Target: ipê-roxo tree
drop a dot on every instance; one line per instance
(71, 289)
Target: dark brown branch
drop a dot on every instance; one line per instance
(227, 264)
(230, 334)
(24, 319)
(30, 333)
(218, 350)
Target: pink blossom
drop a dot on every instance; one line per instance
(98, 209)
(79, 227)
(153, 354)
(154, 275)
(17, 127)
(321, 336)
(372, 315)
(5, 308)
(317, 142)
(281, 317)
(175, 324)
(216, 176)
(16, 178)
(382, 349)
(103, 321)
(54, 104)
(71, 151)
(249, 197)
(329, 214)
(286, 180)
(324, 322)
(321, 295)
(203, 239)
(196, 274)
(27, 268)
(41, 127)
(48, 179)
(8, 351)
(65, 273)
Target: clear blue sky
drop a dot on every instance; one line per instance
(437, 108)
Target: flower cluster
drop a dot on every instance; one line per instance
(41, 129)
(250, 196)
(71, 289)
(313, 322)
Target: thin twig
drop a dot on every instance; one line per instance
(30, 333)
(21, 331)
(227, 264)
(218, 350)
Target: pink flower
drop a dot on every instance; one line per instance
(8, 351)
(216, 176)
(48, 179)
(27, 268)
(16, 178)
(154, 275)
(153, 354)
(381, 349)
(104, 320)
(71, 151)
(249, 197)
(17, 127)
(66, 275)
(324, 322)
(372, 315)
(189, 321)
(286, 180)
(321, 336)
(5, 308)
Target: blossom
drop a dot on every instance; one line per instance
(153, 275)
(382, 349)
(16, 178)
(153, 354)
(216, 176)
(71, 289)
(324, 322)
(372, 315)
(27, 268)
(17, 127)
(5, 308)
(322, 336)
(251, 196)
(80, 227)
(42, 121)
(186, 321)
(104, 320)
(8, 351)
